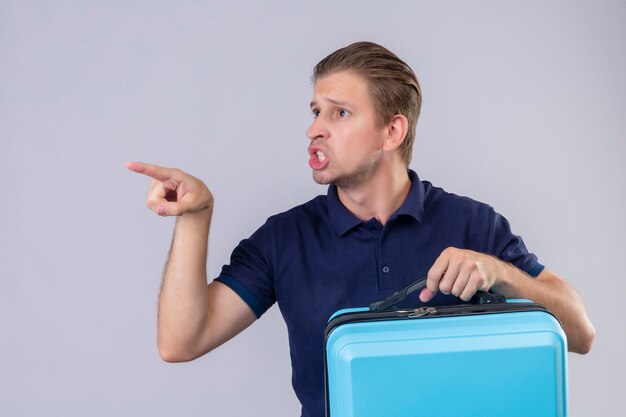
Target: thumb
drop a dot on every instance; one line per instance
(166, 209)
(426, 295)
(175, 208)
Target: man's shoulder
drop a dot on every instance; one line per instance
(438, 200)
(313, 209)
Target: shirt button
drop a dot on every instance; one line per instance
(385, 269)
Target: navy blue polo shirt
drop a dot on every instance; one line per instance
(318, 258)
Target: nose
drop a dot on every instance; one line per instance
(317, 130)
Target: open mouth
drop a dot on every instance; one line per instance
(318, 159)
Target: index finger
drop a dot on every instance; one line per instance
(153, 171)
(436, 272)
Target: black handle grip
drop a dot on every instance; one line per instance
(481, 297)
(398, 296)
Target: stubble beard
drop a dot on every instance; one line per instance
(351, 180)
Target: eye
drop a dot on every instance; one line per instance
(342, 113)
(316, 113)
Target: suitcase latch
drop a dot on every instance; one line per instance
(419, 312)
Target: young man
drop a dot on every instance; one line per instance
(378, 229)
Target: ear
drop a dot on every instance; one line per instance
(395, 132)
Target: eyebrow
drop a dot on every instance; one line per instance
(335, 102)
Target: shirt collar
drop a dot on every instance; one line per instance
(343, 220)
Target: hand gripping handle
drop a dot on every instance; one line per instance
(481, 297)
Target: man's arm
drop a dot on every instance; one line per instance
(462, 272)
(552, 291)
(193, 318)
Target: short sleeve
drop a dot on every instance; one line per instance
(250, 273)
(510, 247)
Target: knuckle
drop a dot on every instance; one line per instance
(151, 198)
(151, 204)
(469, 264)
(481, 285)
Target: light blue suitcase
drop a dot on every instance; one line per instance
(490, 358)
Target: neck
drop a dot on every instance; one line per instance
(379, 196)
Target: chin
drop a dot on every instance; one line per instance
(321, 178)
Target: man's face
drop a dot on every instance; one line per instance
(346, 139)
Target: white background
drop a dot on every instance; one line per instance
(524, 108)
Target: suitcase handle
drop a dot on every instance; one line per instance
(481, 297)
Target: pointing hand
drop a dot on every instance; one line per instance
(173, 192)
